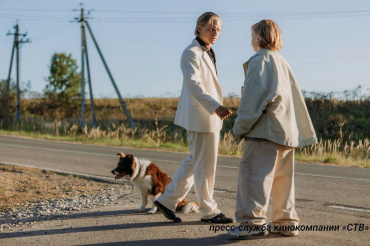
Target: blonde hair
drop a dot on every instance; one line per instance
(204, 19)
(268, 35)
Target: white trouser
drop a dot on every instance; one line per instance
(266, 169)
(198, 168)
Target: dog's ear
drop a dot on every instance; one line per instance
(121, 154)
(130, 157)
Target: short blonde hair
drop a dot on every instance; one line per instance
(268, 34)
(204, 19)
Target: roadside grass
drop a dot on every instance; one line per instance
(354, 154)
(20, 186)
(80, 138)
(329, 159)
(349, 153)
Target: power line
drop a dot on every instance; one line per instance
(231, 15)
(37, 20)
(186, 13)
(31, 16)
(167, 20)
(35, 10)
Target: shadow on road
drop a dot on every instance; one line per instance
(102, 214)
(90, 214)
(213, 240)
(216, 240)
(96, 228)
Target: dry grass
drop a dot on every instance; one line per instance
(20, 185)
(230, 146)
(351, 153)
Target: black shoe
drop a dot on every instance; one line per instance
(220, 218)
(169, 214)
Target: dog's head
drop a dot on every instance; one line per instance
(125, 167)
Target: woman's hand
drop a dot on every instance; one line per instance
(223, 112)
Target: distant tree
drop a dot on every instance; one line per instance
(25, 88)
(3, 87)
(63, 82)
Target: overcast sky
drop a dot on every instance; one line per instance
(327, 43)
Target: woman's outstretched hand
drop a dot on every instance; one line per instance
(223, 112)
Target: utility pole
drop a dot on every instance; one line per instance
(84, 55)
(123, 104)
(16, 44)
(90, 85)
(82, 20)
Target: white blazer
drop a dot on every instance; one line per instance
(201, 93)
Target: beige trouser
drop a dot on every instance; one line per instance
(198, 168)
(266, 169)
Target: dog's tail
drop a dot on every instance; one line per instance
(187, 207)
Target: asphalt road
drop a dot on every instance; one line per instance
(325, 195)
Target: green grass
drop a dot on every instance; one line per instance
(132, 143)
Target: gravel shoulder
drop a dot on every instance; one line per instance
(29, 195)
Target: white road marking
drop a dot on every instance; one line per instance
(58, 150)
(177, 162)
(353, 209)
(315, 175)
(331, 177)
(89, 145)
(64, 172)
(228, 167)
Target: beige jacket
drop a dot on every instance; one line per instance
(270, 85)
(201, 93)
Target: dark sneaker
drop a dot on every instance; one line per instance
(240, 233)
(275, 229)
(220, 218)
(169, 214)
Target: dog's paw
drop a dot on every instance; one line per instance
(152, 211)
(140, 210)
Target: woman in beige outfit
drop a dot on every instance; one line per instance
(273, 119)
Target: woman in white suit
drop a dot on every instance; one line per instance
(200, 112)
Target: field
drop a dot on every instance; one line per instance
(343, 127)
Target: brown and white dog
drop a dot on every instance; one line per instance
(150, 180)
